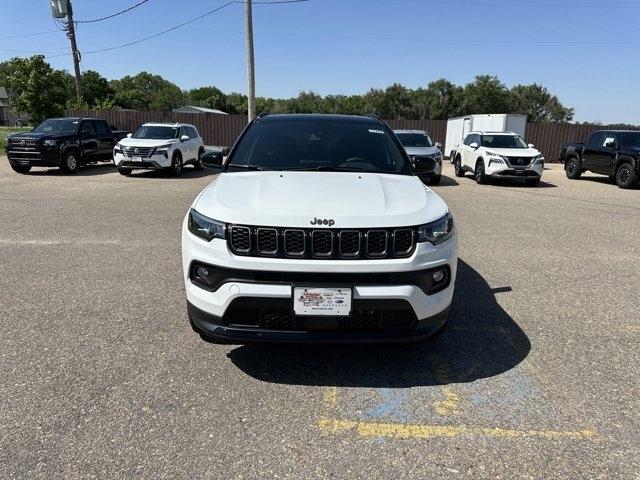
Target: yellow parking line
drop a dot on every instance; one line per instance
(330, 398)
(403, 430)
(633, 328)
(450, 403)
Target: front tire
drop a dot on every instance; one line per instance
(22, 169)
(176, 164)
(198, 163)
(479, 174)
(626, 176)
(125, 171)
(573, 168)
(458, 167)
(70, 162)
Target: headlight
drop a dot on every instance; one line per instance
(204, 227)
(117, 148)
(49, 142)
(163, 150)
(538, 160)
(437, 156)
(438, 231)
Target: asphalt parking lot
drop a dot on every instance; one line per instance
(536, 377)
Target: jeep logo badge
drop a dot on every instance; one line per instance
(322, 221)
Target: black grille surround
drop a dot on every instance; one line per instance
(138, 151)
(519, 161)
(322, 244)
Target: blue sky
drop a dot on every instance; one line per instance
(585, 51)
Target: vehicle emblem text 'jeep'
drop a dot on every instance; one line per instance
(322, 221)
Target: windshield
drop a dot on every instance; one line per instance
(629, 139)
(414, 139)
(503, 141)
(156, 132)
(57, 125)
(325, 144)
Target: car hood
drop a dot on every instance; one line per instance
(143, 142)
(36, 136)
(514, 152)
(294, 199)
(422, 150)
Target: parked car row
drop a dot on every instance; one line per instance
(69, 143)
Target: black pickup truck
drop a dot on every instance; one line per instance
(66, 143)
(615, 153)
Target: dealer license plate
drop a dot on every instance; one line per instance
(322, 301)
(136, 159)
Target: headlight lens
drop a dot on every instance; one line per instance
(117, 148)
(49, 142)
(539, 160)
(205, 227)
(438, 231)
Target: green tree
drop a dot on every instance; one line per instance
(486, 94)
(209, 97)
(95, 88)
(440, 100)
(36, 88)
(538, 104)
(145, 91)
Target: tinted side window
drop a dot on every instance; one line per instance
(594, 139)
(183, 131)
(468, 140)
(101, 128)
(88, 128)
(608, 140)
(193, 133)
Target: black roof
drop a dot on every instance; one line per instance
(318, 116)
(615, 131)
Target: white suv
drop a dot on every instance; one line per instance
(317, 229)
(156, 146)
(498, 155)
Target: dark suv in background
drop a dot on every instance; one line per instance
(67, 143)
(615, 153)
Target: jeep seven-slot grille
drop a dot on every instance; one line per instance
(336, 244)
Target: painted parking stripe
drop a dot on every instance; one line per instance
(402, 430)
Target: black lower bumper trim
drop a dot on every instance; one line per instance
(213, 327)
(146, 165)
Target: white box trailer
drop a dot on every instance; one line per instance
(459, 127)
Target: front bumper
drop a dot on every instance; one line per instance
(500, 170)
(49, 157)
(209, 309)
(155, 162)
(316, 330)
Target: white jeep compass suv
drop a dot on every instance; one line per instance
(157, 146)
(317, 230)
(498, 155)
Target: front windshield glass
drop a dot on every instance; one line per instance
(318, 144)
(629, 139)
(503, 141)
(57, 125)
(415, 139)
(156, 132)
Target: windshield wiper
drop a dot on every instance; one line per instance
(325, 168)
(246, 167)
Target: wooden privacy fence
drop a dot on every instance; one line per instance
(222, 130)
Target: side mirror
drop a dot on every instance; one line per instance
(531, 145)
(438, 145)
(184, 138)
(212, 159)
(473, 145)
(129, 135)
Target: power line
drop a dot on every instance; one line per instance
(273, 2)
(28, 34)
(163, 32)
(114, 14)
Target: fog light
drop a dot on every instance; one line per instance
(202, 272)
(438, 276)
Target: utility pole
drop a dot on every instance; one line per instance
(71, 34)
(251, 79)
